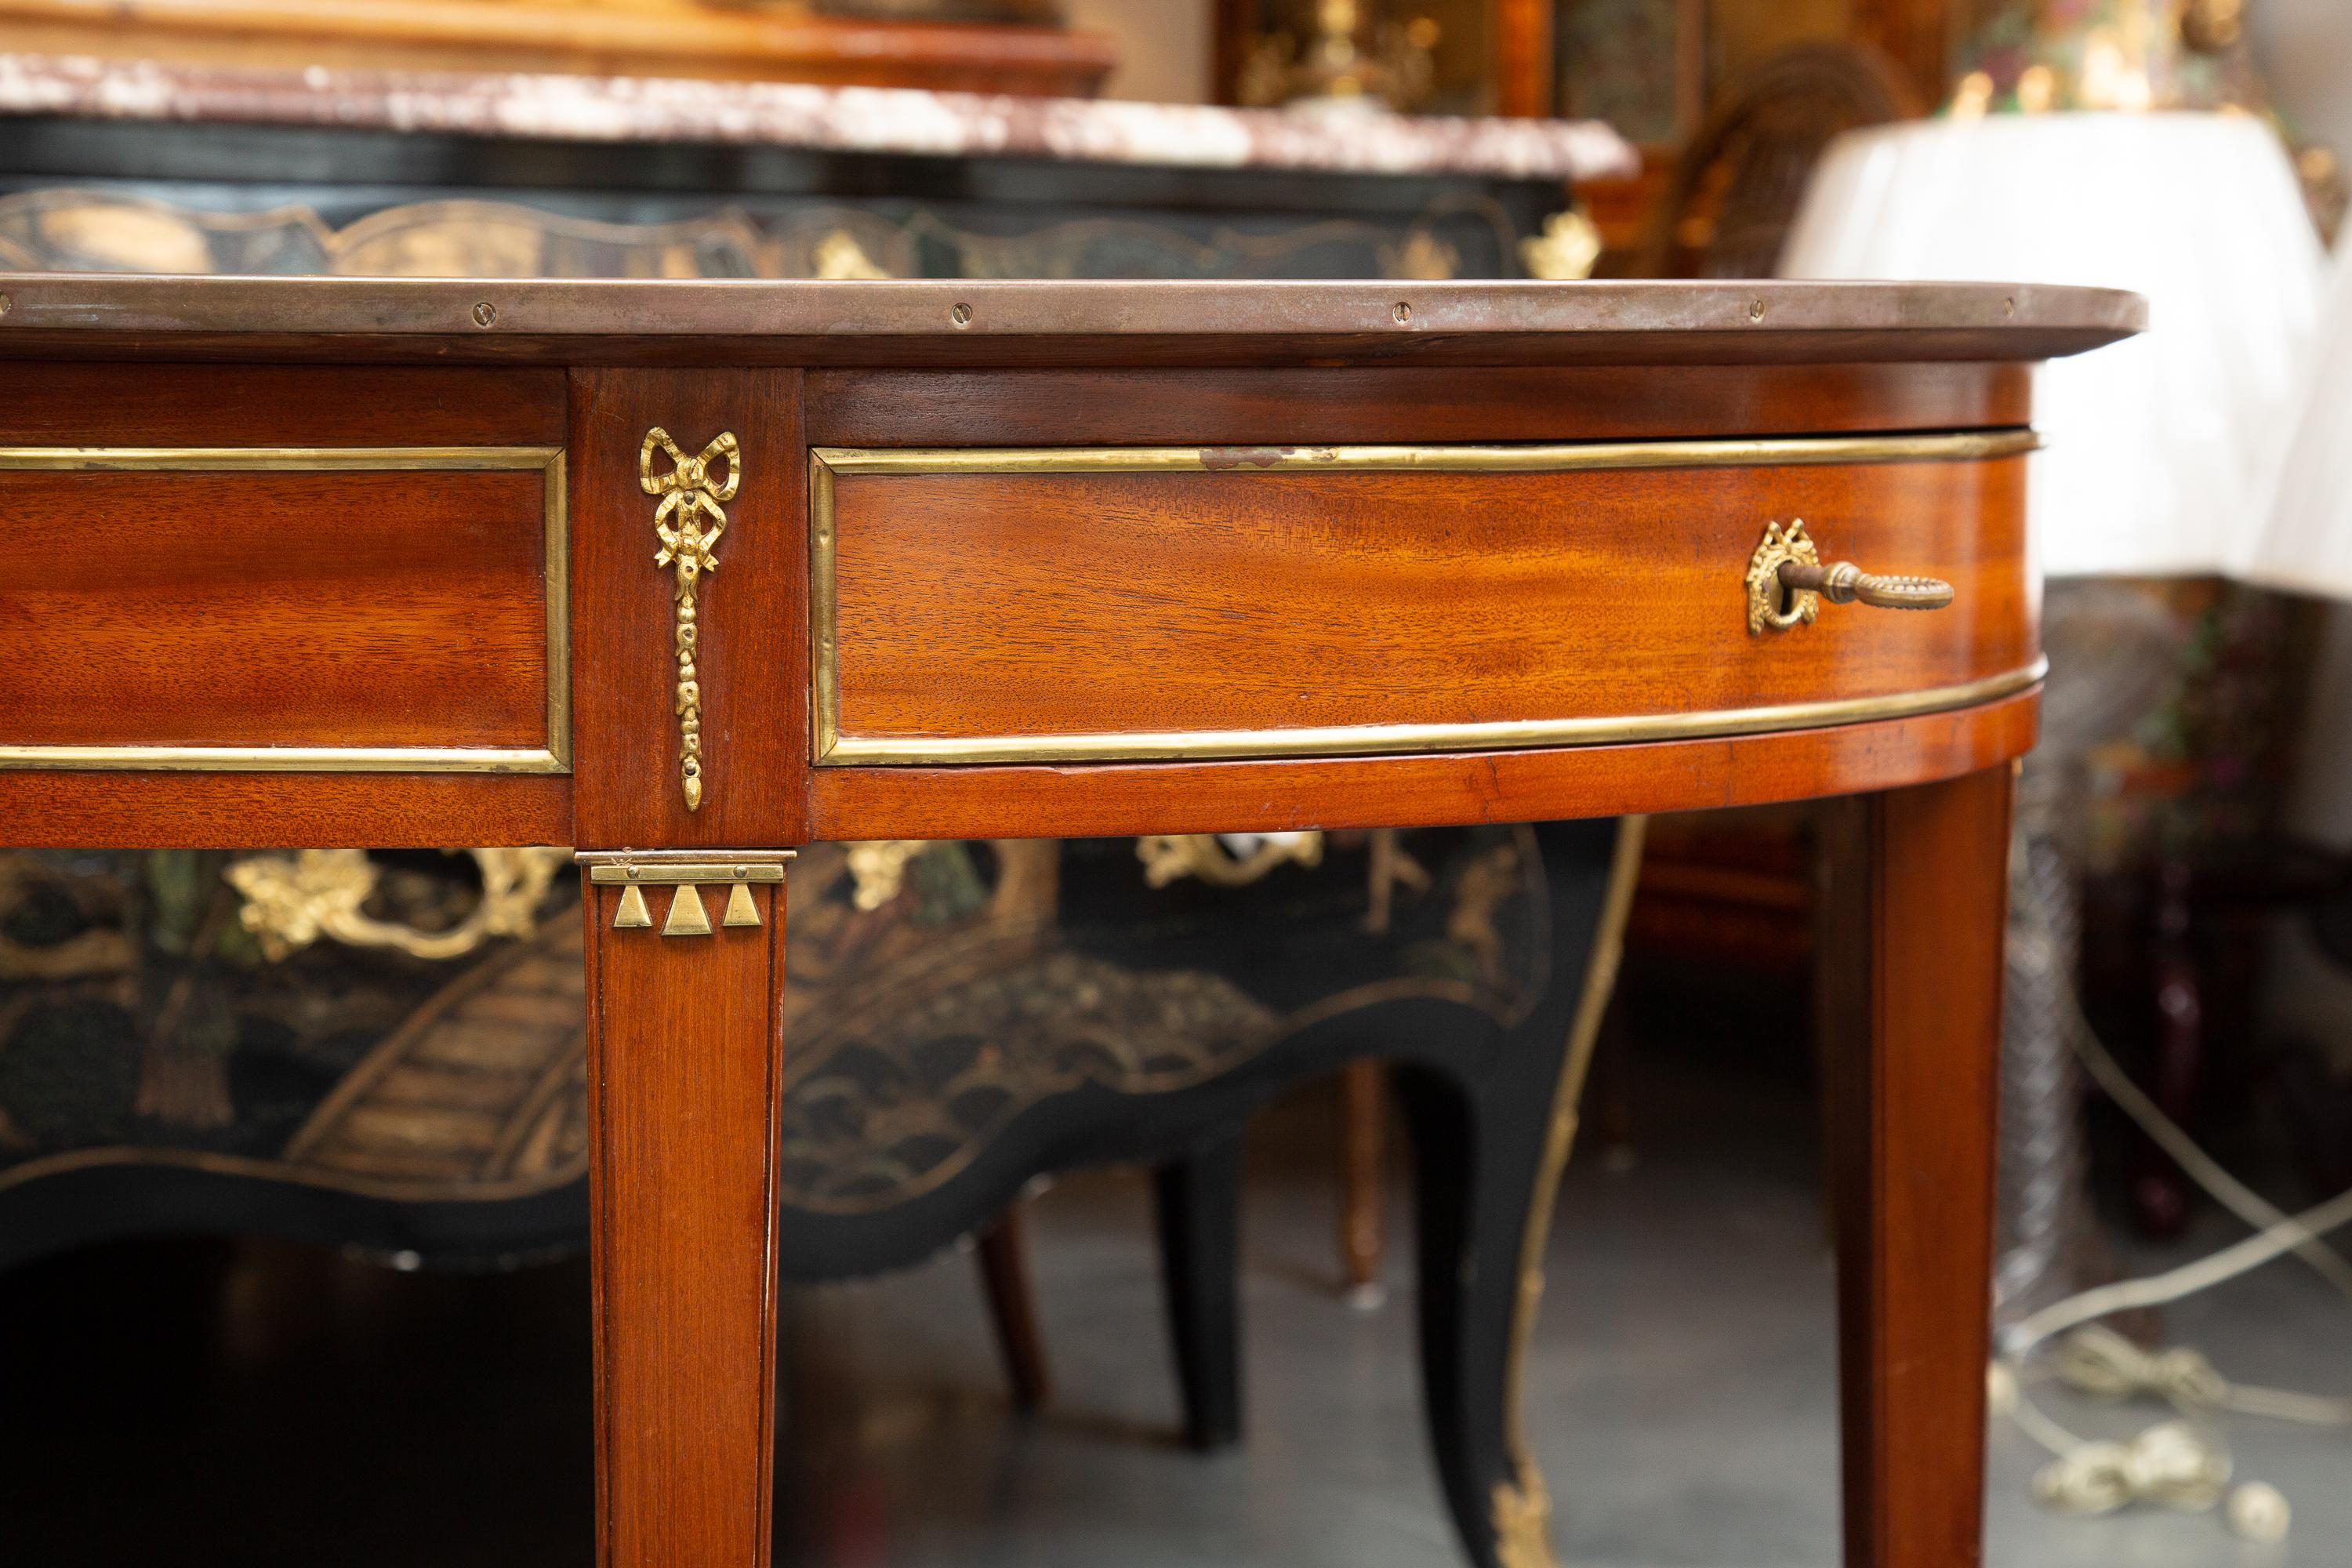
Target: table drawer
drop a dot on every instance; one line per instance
(1050, 603)
(333, 608)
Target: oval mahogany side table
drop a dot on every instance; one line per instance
(685, 574)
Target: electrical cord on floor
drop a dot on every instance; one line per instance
(2203, 1169)
(2180, 1464)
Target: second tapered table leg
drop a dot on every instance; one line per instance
(1918, 910)
(683, 1059)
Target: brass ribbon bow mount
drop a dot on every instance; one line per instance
(691, 493)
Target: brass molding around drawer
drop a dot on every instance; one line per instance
(836, 749)
(552, 757)
(1519, 459)
(1405, 739)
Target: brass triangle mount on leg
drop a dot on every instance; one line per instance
(686, 916)
(686, 872)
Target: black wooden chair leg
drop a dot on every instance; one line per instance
(1198, 1198)
(1012, 1308)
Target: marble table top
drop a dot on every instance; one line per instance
(826, 119)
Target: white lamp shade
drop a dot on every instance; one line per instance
(2307, 545)
(2160, 446)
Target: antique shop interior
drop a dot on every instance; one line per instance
(296, 1142)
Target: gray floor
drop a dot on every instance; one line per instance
(1682, 1393)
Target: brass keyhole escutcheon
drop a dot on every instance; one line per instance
(1787, 583)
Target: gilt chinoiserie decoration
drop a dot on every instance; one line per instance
(690, 492)
(292, 900)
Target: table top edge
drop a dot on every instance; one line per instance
(48, 311)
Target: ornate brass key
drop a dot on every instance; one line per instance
(1787, 583)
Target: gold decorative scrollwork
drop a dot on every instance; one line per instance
(1221, 863)
(1764, 609)
(292, 900)
(839, 257)
(878, 869)
(691, 493)
(1567, 248)
(1523, 1520)
(1521, 1504)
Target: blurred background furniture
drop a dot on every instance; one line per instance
(2155, 455)
(295, 171)
(1735, 191)
(977, 46)
(2304, 548)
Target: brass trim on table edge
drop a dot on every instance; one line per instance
(631, 872)
(276, 459)
(684, 858)
(1522, 1506)
(1535, 457)
(833, 749)
(824, 608)
(1408, 740)
(555, 516)
(555, 757)
(283, 759)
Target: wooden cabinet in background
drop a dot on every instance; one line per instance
(691, 38)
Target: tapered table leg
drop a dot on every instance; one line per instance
(684, 1052)
(1918, 885)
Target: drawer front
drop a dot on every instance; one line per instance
(348, 607)
(1060, 604)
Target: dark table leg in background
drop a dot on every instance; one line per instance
(1197, 1200)
(1918, 900)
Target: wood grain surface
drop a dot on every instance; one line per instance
(343, 607)
(275, 609)
(1102, 799)
(754, 650)
(283, 810)
(1326, 406)
(86, 405)
(1918, 887)
(684, 1042)
(691, 41)
(1034, 606)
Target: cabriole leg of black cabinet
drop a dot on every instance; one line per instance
(1198, 1200)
